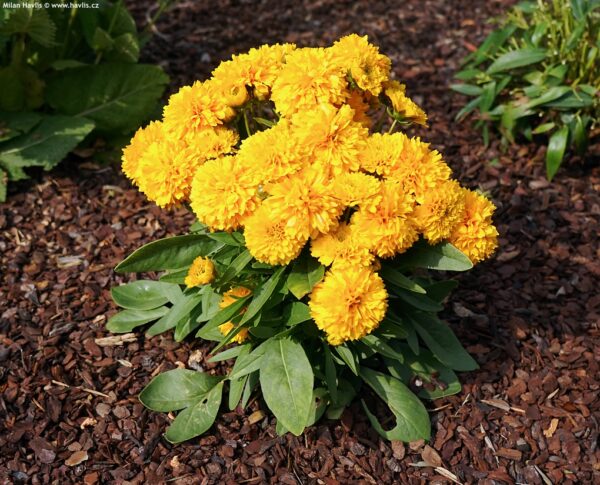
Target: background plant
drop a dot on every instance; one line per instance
(539, 74)
(66, 72)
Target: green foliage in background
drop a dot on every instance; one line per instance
(539, 74)
(65, 72)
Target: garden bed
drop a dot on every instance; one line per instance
(529, 316)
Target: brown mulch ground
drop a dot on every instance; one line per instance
(68, 406)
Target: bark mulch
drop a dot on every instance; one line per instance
(68, 406)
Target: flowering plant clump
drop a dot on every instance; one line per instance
(308, 263)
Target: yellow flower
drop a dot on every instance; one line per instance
(356, 188)
(240, 337)
(331, 137)
(341, 247)
(308, 78)
(442, 208)
(369, 69)
(258, 69)
(419, 169)
(132, 153)
(230, 297)
(361, 107)
(273, 153)
(198, 106)
(267, 238)
(348, 304)
(475, 234)
(388, 229)
(381, 152)
(306, 202)
(201, 272)
(402, 104)
(224, 191)
(212, 142)
(234, 294)
(166, 170)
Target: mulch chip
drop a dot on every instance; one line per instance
(530, 414)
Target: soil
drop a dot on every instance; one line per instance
(530, 316)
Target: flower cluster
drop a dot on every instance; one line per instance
(284, 145)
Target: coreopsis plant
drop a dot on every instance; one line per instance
(308, 263)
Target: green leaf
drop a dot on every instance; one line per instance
(556, 151)
(126, 48)
(467, 89)
(295, 313)
(236, 266)
(141, 294)
(45, 146)
(318, 406)
(34, 22)
(398, 279)
(251, 384)
(127, 320)
(175, 276)
(381, 347)
(442, 342)
(186, 304)
(443, 257)
(15, 124)
(440, 290)
(247, 364)
(487, 96)
(169, 253)
(224, 315)
(231, 353)
(196, 419)
(236, 386)
(262, 295)
(102, 40)
(517, 58)
(350, 359)
(467, 75)
(579, 134)
(412, 420)
(330, 373)
(470, 106)
(286, 380)
(118, 97)
(177, 389)
(543, 128)
(420, 302)
(234, 239)
(306, 273)
(548, 95)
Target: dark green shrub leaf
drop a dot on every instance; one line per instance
(169, 253)
(46, 145)
(412, 420)
(196, 419)
(348, 357)
(118, 97)
(177, 389)
(236, 386)
(286, 380)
